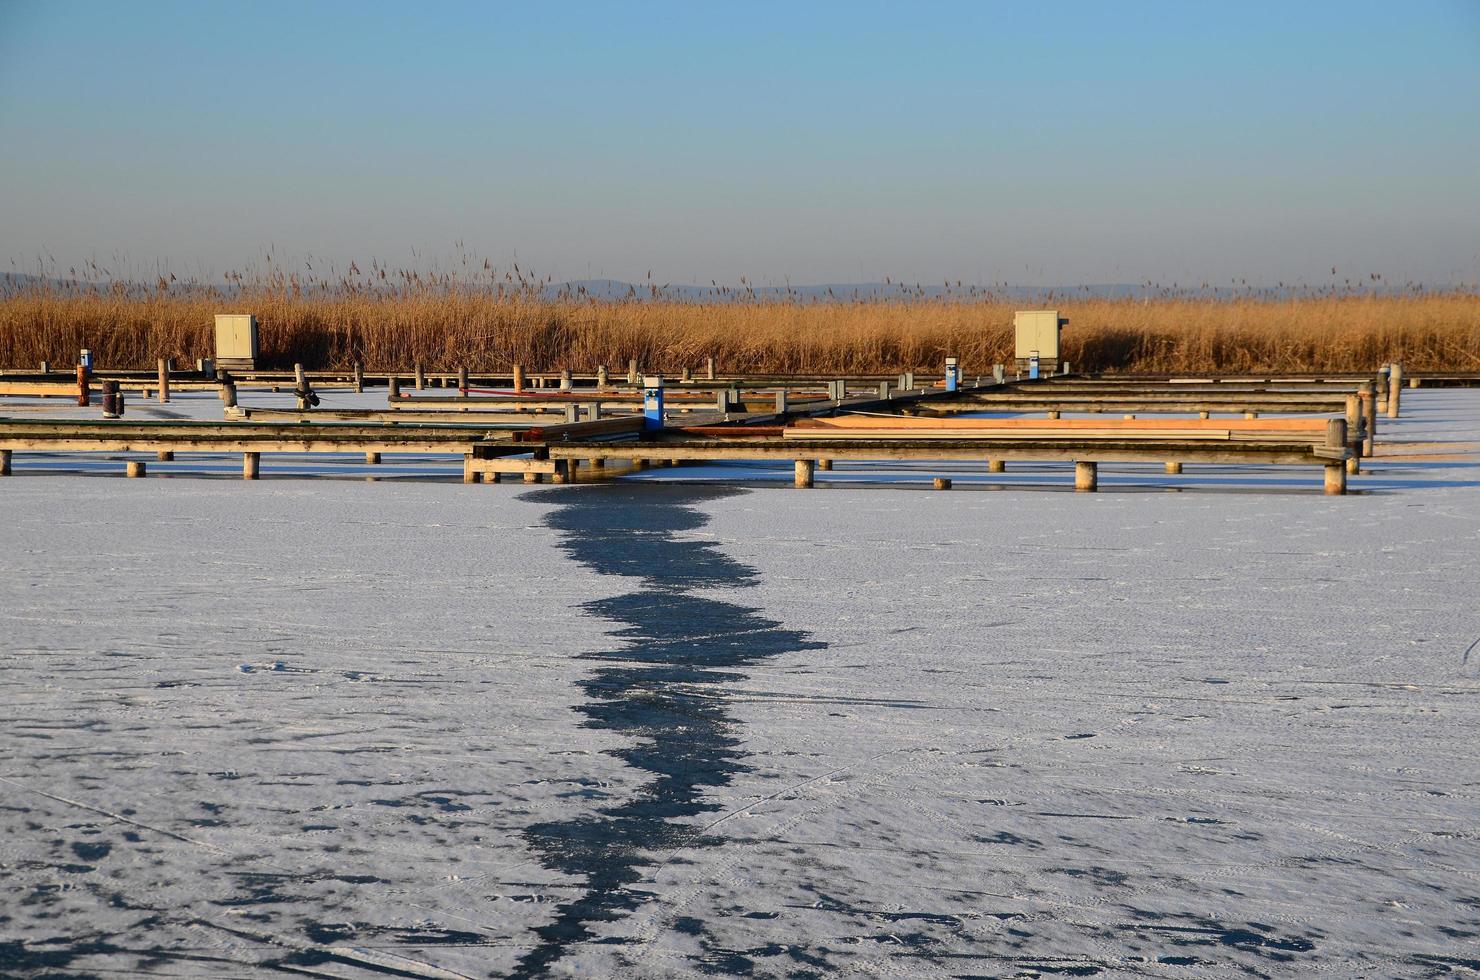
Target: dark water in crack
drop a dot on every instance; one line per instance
(651, 690)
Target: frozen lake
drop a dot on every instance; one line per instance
(663, 726)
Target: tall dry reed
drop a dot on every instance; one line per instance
(444, 328)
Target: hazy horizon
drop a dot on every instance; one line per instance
(989, 144)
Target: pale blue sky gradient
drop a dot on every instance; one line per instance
(1027, 143)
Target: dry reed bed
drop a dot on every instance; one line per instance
(444, 330)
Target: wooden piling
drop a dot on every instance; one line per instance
(824, 464)
(709, 368)
(470, 475)
(531, 478)
(996, 466)
(1204, 415)
(686, 376)
(1053, 413)
(632, 376)
(1174, 468)
(942, 483)
(462, 380)
(602, 377)
(300, 387)
(518, 377)
(359, 377)
(421, 376)
(393, 388)
(1336, 472)
(82, 400)
(781, 402)
(228, 394)
(803, 473)
(133, 468)
(250, 465)
(1086, 476)
(372, 458)
(1251, 415)
(1395, 389)
(164, 381)
(1368, 396)
(565, 382)
(4, 462)
(165, 456)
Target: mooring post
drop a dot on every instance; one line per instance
(1086, 476)
(1174, 468)
(1395, 389)
(781, 402)
(1204, 415)
(228, 394)
(250, 465)
(82, 400)
(359, 377)
(300, 387)
(601, 376)
(572, 413)
(909, 381)
(133, 468)
(722, 400)
(1383, 374)
(824, 464)
(4, 462)
(393, 388)
(420, 375)
(883, 391)
(469, 474)
(942, 483)
(1251, 415)
(686, 376)
(1354, 424)
(164, 456)
(372, 459)
(804, 473)
(632, 371)
(1064, 368)
(709, 368)
(999, 374)
(164, 381)
(565, 381)
(45, 368)
(462, 380)
(996, 466)
(518, 377)
(1053, 413)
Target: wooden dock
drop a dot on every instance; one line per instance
(809, 421)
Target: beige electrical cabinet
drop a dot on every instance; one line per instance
(1038, 330)
(236, 341)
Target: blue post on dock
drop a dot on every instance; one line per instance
(652, 403)
(953, 374)
(1033, 365)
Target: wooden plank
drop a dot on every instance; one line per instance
(1102, 451)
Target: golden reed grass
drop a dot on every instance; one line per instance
(444, 329)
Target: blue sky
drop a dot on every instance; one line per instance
(1026, 143)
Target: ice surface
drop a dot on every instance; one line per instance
(668, 726)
